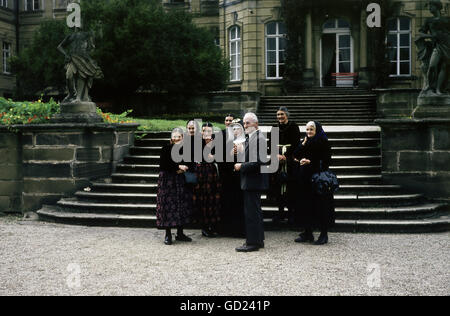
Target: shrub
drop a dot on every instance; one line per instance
(27, 112)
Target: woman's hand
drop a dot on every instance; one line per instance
(183, 168)
(304, 162)
(281, 158)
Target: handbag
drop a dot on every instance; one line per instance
(324, 182)
(190, 177)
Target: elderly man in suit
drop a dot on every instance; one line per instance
(253, 183)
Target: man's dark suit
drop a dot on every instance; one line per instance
(253, 183)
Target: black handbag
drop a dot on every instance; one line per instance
(191, 177)
(324, 182)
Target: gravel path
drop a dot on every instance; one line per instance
(48, 259)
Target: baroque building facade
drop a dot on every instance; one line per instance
(336, 37)
(252, 36)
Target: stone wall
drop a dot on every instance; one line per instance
(11, 176)
(416, 154)
(396, 103)
(237, 103)
(43, 163)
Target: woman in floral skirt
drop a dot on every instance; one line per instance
(174, 200)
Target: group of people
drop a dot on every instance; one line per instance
(223, 196)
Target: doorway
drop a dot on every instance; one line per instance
(336, 54)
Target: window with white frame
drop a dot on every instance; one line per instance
(4, 3)
(399, 45)
(32, 5)
(6, 56)
(235, 53)
(275, 50)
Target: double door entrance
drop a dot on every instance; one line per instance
(336, 55)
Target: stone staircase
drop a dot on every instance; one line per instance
(330, 106)
(363, 204)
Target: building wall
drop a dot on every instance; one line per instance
(251, 16)
(7, 35)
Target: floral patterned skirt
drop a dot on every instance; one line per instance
(173, 201)
(206, 195)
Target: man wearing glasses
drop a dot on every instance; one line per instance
(253, 183)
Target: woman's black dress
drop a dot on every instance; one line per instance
(206, 194)
(232, 200)
(174, 200)
(283, 188)
(313, 210)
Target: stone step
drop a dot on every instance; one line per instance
(428, 225)
(358, 179)
(311, 105)
(337, 160)
(123, 187)
(340, 200)
(324, 96)
(353, 151)
(304, 120)
(339, 170)
(344, 150)
(134, 168)
(423, 211)
(131, 208)
(361, 190)
(150, 151)
(134, 178)
(347, 113)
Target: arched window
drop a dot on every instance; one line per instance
(235, 53)
(399, 45)
(275, 50)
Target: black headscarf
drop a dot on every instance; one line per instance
(320, 134)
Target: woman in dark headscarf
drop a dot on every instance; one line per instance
(313, 210)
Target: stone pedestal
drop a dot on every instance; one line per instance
(416, 154)
(40, 164)
(432, 106)
(78, 112)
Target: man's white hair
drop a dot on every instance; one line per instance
(252, 117)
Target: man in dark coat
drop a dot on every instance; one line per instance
(253, 183)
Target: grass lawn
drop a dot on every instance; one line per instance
(157, 125)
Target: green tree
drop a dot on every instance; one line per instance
(40, 65)
(138, 46)
(141, 46)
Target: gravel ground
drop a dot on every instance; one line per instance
(49, 259)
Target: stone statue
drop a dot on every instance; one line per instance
(81, 69)
(433, 44)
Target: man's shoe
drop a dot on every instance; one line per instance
(168, 240)
(323, 239)
(248, 248)
(305, 238)
(183, 237)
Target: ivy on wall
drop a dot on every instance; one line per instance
(293, 14)
(377, 44)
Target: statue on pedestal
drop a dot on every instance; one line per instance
(433, 45)
(81, 69)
